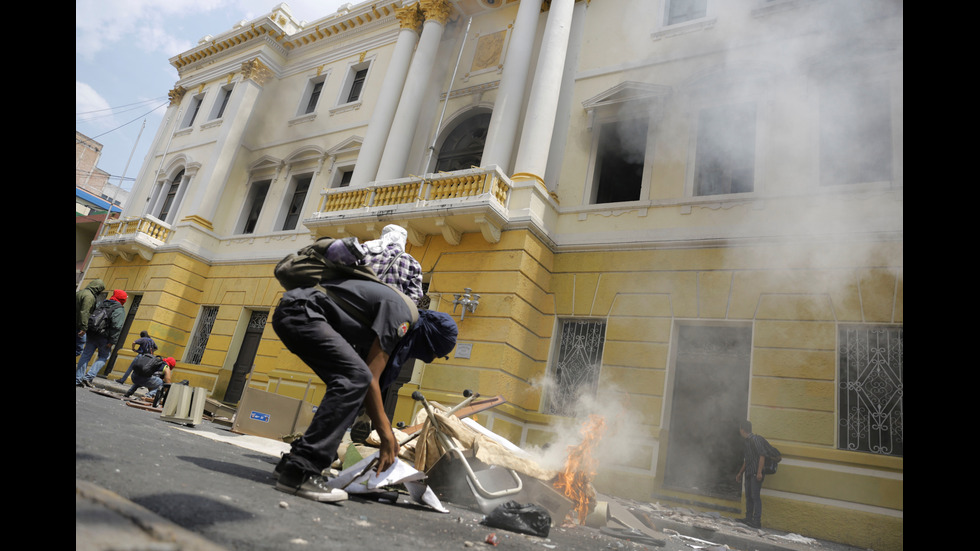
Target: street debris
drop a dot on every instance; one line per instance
(521, 518)
(796, 538)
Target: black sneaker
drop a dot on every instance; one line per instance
(312, 486)
(282, 463)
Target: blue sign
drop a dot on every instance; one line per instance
(264, 417)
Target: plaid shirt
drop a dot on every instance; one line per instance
(405, 273)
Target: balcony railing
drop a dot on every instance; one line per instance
(130, 236)
(450, 204)
(439, 187)
(152, 227)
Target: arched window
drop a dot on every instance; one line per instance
(463, 148)
(170, 196)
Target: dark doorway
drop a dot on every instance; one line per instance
(710, 396)
(130, 316)
(246, 357)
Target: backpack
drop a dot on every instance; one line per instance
(100, 318)
(312, 264)
(772, 455)
(145, 365)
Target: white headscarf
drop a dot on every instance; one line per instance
(391, 234)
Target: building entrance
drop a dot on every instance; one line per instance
(710, 395)
(246, 357)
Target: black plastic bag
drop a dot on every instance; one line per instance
(525, 519)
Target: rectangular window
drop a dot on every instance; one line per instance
(345, 176)
(357, 84)
(679, 11)
(193, 107)
(855, 133)
(219, 106)
(725, 150)
(870, 411)
(314, 97)
(253, 205)
(579, 357)
(296, 201)
(311, 96)
(195, 352)
(620, 155)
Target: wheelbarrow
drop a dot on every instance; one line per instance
(487, 486)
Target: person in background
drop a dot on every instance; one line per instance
(85, 301)
(150, 372)
(142, 345)
(101, 341)
(752, 463)
(387, 257)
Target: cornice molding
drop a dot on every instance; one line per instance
(269, 31)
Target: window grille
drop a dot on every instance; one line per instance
(200, 342)
(257, 320)
(870, 410)
(577, 365)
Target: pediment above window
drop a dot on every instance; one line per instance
(625, 97)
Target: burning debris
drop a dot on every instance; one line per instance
(575, 480)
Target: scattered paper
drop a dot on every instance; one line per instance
(357, 481)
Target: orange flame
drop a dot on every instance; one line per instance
(575, 481)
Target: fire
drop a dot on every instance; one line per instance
(575, 481)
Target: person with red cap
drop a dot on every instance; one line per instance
(150, 372)
(101, 337)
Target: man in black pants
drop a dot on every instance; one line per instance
(752, 464)
(355, 335)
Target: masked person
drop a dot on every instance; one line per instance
(355, 334)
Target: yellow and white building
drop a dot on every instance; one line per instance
(675, 213)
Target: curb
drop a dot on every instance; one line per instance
(104, 521)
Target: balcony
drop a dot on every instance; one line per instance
(447, 204)
(128, 237)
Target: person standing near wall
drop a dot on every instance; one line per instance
(85, 301)
(101, 341)
(752, 464)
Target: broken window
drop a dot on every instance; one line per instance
(577, 364)
(871, 414)
(725, 156)
(620, 155)
(855, 133)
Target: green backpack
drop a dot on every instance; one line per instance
(309, 266)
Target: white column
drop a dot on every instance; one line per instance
(377, 131)
(395, 156)
(562, 120)
(207, 186)
(502, 132)
(542, 105)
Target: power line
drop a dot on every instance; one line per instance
(92, 138)
(108, 176)
(122, 106)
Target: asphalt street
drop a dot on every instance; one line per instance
(146, 483)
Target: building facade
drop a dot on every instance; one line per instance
(674, 214)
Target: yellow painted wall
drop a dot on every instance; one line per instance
(524, 288)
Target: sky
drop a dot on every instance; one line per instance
(122, 69)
